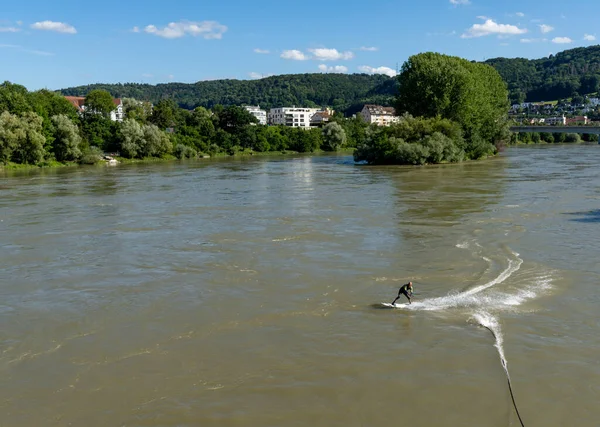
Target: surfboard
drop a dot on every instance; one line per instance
(388, 305)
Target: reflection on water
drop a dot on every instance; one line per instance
(243, 292)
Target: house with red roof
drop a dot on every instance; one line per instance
(116, 115)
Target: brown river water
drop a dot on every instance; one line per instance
(247, 293)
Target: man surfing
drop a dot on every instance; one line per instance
(406, 290)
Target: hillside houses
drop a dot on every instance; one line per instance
(116, 115)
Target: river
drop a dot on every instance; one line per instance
(247, 292)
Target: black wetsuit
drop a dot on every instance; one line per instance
(405, 290)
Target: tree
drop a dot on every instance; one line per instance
(155, 142)
(14, 98)
(10, 135)
(334, 137)
(143, 140)
(67, 141)
(132, 138)
(233, 119)
(137, 110)
(163, 114)
(99, 102)
(21, 138)
(472, 94)
(413, 140)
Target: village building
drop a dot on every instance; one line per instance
(261, 115)
(291, 116)
(117, 115)
(376, 114)
(321, 118)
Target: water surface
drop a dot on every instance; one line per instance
(246, 292)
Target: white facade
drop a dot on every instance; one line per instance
(556, 121)
(376, 114)
(118, 114)
(291, 116)
(261, 115)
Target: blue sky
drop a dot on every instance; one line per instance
(62, 43)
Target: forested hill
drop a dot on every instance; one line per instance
(568, 73)
(345, 92)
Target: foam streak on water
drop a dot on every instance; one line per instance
(471, 297)
(491, 323)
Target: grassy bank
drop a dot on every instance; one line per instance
(167, 158)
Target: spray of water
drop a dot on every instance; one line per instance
(471, 297)
(491, 324)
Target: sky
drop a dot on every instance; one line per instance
(64, 43)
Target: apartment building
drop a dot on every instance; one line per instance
(382, 116)
(291, 116)
(261, 115)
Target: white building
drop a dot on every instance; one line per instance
(261, 115)
(382, 116)
(116, 115)
(291, 116)
(551, 121)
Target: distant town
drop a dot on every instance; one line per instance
(283, 116)
(576, 111)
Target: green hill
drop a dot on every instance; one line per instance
(568, 73)
(345, 92)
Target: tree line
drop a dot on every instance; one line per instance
(343, 92)
(43, 127)
(567, 74)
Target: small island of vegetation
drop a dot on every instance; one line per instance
(452, 110)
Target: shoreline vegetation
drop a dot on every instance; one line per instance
(449, 110)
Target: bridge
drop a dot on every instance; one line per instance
(590, 130)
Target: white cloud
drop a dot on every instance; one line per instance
(379, 70)
(59, 27)
(335, 69)
(369, 49)
(533, 40)
(520, 14)
(490, 27)
(562, 40)
(9, 30)
(170, 77)
(19, 23)
(589, 37)
(458, 2)
(135, 30)
(295, 55)
(482, 17)
(324, 54)
(261, 51)
(26, 50)
(546, 28)
(451, 33)
(175, 30)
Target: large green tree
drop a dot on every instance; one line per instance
(67, 142)
(99, 102)
(334, 136)
(472, 94)
(21, 138)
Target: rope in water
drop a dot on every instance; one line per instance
(508, 378)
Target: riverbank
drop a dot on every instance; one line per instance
(167, 158)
